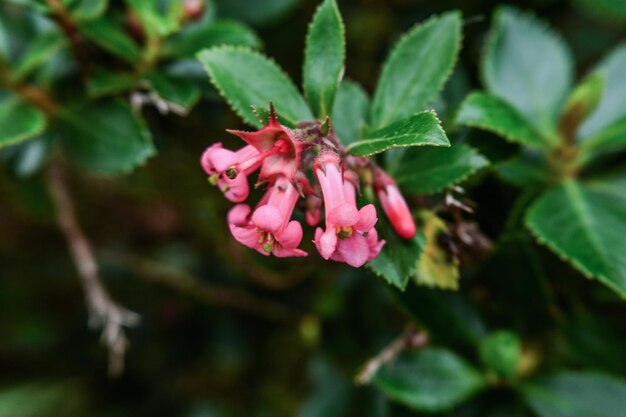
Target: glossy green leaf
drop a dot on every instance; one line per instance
(527, 65)
(180, 94)
(324, 58)
(197, 37)
(5, 47)
(585, 224)
(500, 352)
(527, 169)
(576, 394)
(246, 78)
(612, 106)
(609, 139)
(248, 10)
(111, 37)
(488, 112)
(350, 111)
(611, 10)
(429, 170)
(106, 137)
(156, 19)
(103, 83)
(422, 129)
(37, 53)
(82, 10)
(397, 261)
(19, 121)
(417, 68)
(582, 102)
(429, 380)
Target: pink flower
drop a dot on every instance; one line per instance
(350, 236)
(394, 204)
(281, 151)
(268, 230)
(229, 170)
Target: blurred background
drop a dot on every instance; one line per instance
(225, 331)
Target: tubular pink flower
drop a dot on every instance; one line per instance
(394, 205)
(229, 170)
(280, 149)
(268, 229)
(347, 235)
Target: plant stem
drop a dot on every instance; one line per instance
(104, 312)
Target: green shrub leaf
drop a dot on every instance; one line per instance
(576, 394)
(586, 225)
(246, 78)
(189, 41)
(106, 137)
(488, 112)
(111, 38)
(42, 48)
(500, 351)
(324, 58)
(529, 66)
(422, 129)
(350, 111)
(429, 170)
(429, 380)
(180, 94)
(417, 69)
(19, 121)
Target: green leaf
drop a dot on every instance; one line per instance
(109, 36)
(19, 121)
(246, 78)
(488, 112)
(610, 139)
(585, 224)
(324, 58)
(430, 170)
(249, 10)
(422, 129)
(501, 351)
(180, 94)
(527, 65)
(436, 268)
(577, 394)
(197, 37)
(449, 317)
(612, 106)
(611, 10)
(417, 68)
(398, 259)
(82, 10)
(157, 21)
(528, 169)
(106, 137)
(429, 380)
(37, 53)
(103, 83)
(349, 111)
(582, 102)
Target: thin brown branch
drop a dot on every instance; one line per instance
(104, 312)
(70, 29)
(187, 284)
(411, 338)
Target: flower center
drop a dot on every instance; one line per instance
(266, 240)
(344, 232)
(231, 173)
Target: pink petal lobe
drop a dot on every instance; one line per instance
(291, 236)
(238, 215)
(326, 243)
(367, 218)
(355, 250)
(345, 214)
(267, 218)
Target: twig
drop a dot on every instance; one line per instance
(104, 312)
(68, 26)
(215, 295)
(411, 338)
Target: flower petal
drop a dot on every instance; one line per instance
(326, 242)
(367, 218)
(343, 215)
(354, 250)
(237, 189)
(267, 218)
(238, 215)
(291, 236)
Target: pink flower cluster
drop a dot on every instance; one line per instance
(283, 157)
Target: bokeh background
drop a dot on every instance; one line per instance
(224, 331)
